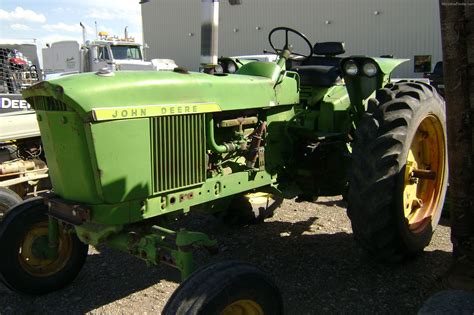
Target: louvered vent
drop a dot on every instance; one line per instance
(47, 104)
(178, 151)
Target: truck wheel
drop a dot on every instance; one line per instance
(226, 288)
(25, 266)
(8, 199)
(251, 208)
(399, 173)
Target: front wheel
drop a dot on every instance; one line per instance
(8, 199)
(399, 173)
(28, 264)
(226, 288)
(251, 208)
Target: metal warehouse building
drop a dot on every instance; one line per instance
(403, 28)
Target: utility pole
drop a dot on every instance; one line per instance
(457, 28)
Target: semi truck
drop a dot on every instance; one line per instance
(106, 51)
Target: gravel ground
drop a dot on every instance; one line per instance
(308, 248)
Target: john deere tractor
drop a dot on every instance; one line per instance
(129, 151)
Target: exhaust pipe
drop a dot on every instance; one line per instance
(126, 32)
(83, 33)
(209, 32)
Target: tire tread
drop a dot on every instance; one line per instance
(376, 162)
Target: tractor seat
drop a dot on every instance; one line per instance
(329, 49)
(322, 69)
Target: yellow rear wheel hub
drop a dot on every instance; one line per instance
(424, 174)
(243, 307)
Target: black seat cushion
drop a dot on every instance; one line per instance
(323, 76)
(329, 49)
(323, 68)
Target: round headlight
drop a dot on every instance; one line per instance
(231, 68)
(370, 69)
(350, 68)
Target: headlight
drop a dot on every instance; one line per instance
(231, 68)
(350, 68)
(370, 69)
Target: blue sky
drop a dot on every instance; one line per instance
(49, 21)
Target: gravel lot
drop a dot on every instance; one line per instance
(307, 247)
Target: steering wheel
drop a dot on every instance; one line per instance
(287, 46)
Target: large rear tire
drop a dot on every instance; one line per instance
(25, 265)
(399, 174)
(8, 199)
(226, 288)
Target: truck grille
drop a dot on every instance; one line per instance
(178, 151)
(47, 103)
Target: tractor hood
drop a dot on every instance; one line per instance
(118, 91)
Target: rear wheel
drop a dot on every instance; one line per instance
(226, 288)
(399, 174)
(8, 199)
(28, 263)
(251, 208)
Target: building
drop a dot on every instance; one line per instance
(403, 28)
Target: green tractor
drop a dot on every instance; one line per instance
(130, 151)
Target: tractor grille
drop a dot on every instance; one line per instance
(47, 103)
(178, 151)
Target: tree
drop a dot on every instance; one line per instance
(458, 49)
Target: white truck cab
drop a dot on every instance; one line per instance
(115, 53)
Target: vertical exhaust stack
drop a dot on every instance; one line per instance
(126, 32)
(209, 32)
(83, 51)
(83, 33)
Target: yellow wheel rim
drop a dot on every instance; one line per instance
(258, 198)
(34, 261)
(243, 307)
(424, 174)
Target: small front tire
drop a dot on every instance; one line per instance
(25, 266)
(8, 199)
(251, 208)
(226, 288)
